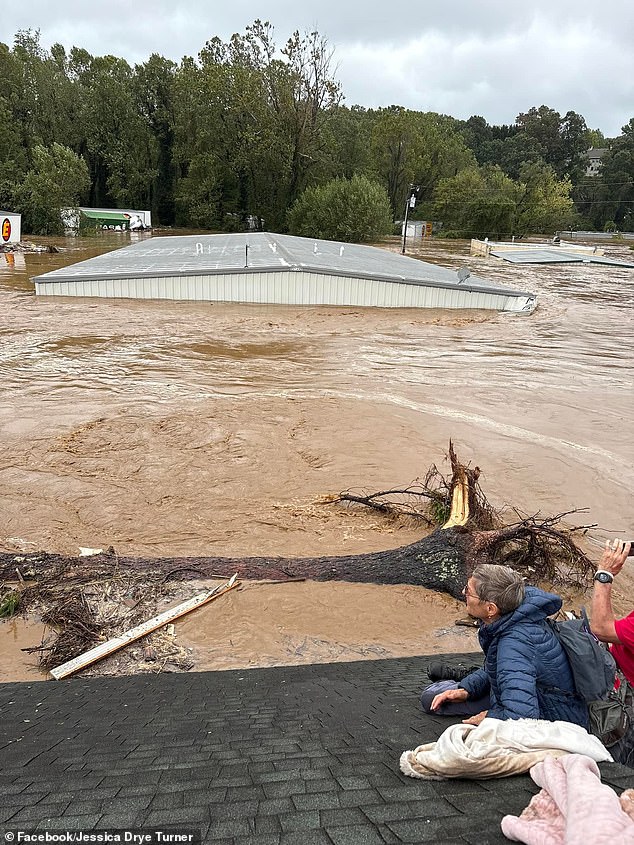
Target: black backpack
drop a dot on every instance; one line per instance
(594, 672)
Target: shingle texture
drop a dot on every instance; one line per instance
(285, 755)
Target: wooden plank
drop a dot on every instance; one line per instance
(116, 643)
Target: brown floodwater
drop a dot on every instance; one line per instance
(215, 429)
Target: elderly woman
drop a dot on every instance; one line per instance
(526, 672)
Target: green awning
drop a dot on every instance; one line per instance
(107, 216)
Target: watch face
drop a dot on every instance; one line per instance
(603, 578)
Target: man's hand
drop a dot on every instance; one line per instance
(614, 556)
(602, 622)
(475, 720)
(449, 695)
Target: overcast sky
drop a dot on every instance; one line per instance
(495, 58)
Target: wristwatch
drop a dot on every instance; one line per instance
(603, 577)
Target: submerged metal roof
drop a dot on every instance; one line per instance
(264, 267)
(260, 251)
(555, 255)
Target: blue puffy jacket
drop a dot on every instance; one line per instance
(526, 671)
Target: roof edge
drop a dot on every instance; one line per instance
(45, 279)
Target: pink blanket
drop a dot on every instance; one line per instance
(573, 807)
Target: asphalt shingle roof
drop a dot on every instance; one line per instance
(305, 755)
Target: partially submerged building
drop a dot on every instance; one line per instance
(553, 252)
(269, 268)
(107, 218)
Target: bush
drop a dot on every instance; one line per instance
(355, 210)
(455, 234)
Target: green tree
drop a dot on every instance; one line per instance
(485, 141)
(199, 193)
(154, 85)
(543, 201)
(16, 131)
(485, 202)
(307, 98)
(356, 210)
(476, 203)
(518, 150)
(122, 150)
(562, 139)
(395, 150)
(589, 196)
(57, 179)
(477, 134)
(207, 119)
(347, 143)
(414, 148)
(610, 196)
(262, 115)
(596, 139)
(14, 140)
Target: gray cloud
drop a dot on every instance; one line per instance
(460, 57)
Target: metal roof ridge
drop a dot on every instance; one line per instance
(272, 238)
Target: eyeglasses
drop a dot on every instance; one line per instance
(465, 593)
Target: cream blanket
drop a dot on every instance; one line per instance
(496, 748)
(572, 807)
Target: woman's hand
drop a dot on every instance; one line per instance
(614, 556)
(475, 720)
(458, 694)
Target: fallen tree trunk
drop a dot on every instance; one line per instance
(441, 561)
(472, 533)
(437, 562)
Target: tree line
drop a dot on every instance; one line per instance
(250, 134)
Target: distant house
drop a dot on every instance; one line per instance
(594, 158)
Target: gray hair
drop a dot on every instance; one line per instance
(499, 584)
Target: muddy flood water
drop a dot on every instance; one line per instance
(180, 428)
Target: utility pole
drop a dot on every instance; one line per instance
(411, 203)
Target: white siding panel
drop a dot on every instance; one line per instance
(287, 288)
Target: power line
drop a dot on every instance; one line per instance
(578, 202)
(604, 184)
(603, 202)
(494, 190)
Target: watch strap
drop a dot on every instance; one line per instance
(604, 572)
